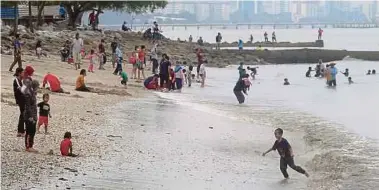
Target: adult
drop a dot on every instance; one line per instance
(273, 37)
(30, 112)
(266, 36)
(155, 31)
(190, 39)
(154, 58)
(53, 82)
(251, 38)
(80, 84)
(103, 57)
(20, 101)
(320, 31)
(141, 62)
(203, 73)
(91, 18)
(17, 53)
(200, 58)
(241, 71)
(333, 74)
(124, 27)
(164, 67)
(151, 83)
(218, 40)
(62, 11)
(65, 51)
(113, 47)
(200, 41)
(77, 46)
(119, 59)
(240, 44)
(241, 88)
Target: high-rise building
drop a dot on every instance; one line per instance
(246, 9)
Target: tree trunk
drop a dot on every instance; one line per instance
(15, 26)
(30, 17)
(41, 6)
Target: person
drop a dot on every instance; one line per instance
(368, 72)
(251, 38)
(171, 79)
(253, 71)
(119, 59)
(151, 83)
(154, 59)
(259, 48)
(333, 73)
(124, 78)
(190, 39)
(141, 63)
(266, 36)
(189, 75)
(80, 85)
(200, 58)
(241, 71)
(17, 53)
(124, 27)
(62, 11)
(320, 31)
(350, 80)
(218, 40)
(133, 60)
(327, 74)
(308, 73)
(240, 44)
(113, 47)
(286, 82)
(66, 145)
(203, 74)
(373, 72)
(102, 55)
(240, 88)
(53, 82)
(65, 51)
(30, 112)
(44, 112)
(273, 37)
(179, 76)
(20, 100)
(39, 49)
(77, 46)
(91, 18)
(200, 41)
(346, 73)
(286, 154)
(164, 67)
(92, 56)
(155, 31)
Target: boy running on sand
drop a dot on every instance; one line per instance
(66, 146)
(286, 154)
(44, 112)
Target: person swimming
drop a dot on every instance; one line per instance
(350, 80)
(368, 72)
(346, 73)
(286, 82)
(308, 73)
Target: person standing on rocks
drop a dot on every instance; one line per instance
(114, 46)
(30, 113)
(273, 37)
(320, 31)
(218, 40)
(266, 36)
(102, 56)
(77, 46)
(190, 39)
(251, 38)
(17, 53)
(240, 44)
(20, 100)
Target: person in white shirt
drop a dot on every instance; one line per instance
(203, 73)
(77, 46)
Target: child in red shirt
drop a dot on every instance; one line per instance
(66, 146)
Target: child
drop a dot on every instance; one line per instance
(172, 79)
(190, 76)
(350, 80)
(203, 74)
(286, 154)
(91, 58)
(66, 145)
(39, 49)
(286, 82)
(44, 112)
(124, 77)
(308, 73)
(179, 76)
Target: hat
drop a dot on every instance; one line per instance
(18, 71)
(29, 70)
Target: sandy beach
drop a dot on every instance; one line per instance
(78, 112)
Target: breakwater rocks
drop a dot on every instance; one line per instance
(317, 43)
(289, 56)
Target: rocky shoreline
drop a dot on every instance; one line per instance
(317, 43)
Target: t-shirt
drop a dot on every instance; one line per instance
(54, 83)
(65, 146)
(44, 109)
(101, 48)
(17, 45)
(124, 76)
(141, 55)
(77, 45)
(80, 81)
(163, 67)
(283, 147)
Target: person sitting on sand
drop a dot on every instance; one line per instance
(373, 72)
(124, 78)
(368, 72)
(53, 82)
(151, 83)
(350, 80)
(286, 82)
(66, 146)
(80, 85)
(308, 73)
(44, 112)
(346, 73)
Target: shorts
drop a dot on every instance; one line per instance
(77, 58)
(123, 82)
(43, 120)
(140, 65)
(135, 66)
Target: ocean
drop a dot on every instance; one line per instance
(202, 139)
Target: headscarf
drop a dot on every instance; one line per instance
(28, 71)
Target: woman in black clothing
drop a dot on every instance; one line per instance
(30, 112)
(241, 88)
(17, 85)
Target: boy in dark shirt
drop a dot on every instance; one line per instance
(44, 112)
(286, 154)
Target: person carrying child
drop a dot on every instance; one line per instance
(44, 112)
(66, 146)
(286, 154)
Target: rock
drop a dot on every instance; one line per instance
(113, 136)
(71, 170)
(210, 127)
(62, 179)
(51, 152)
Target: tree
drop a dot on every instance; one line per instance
(30, 17)
(75, 8)
(40, 7)
(13, 4)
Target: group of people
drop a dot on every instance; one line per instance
(273, 37)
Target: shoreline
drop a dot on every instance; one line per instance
(80, 113)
